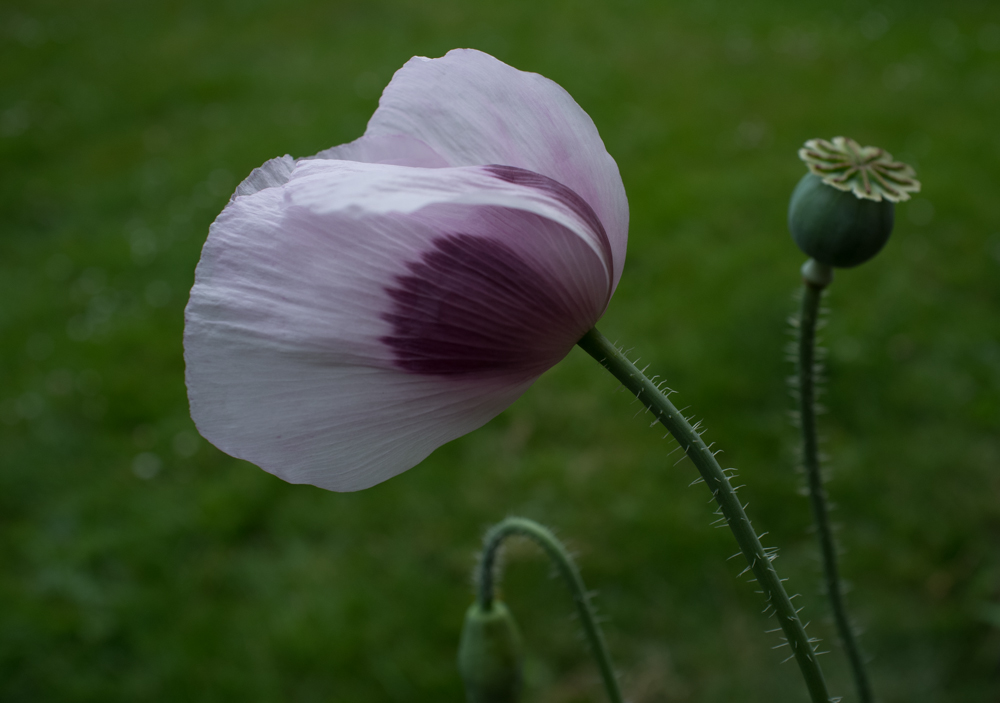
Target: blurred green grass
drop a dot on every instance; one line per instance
(140, 564)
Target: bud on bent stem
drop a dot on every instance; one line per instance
(486, 574)
(490, 659)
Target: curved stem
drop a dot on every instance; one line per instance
(543, 537)
(759, 561)
(811, 296)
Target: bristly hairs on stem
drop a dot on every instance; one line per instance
(758, 560)
(808, 363)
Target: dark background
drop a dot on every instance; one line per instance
(138, 563)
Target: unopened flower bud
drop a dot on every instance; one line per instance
(841, 213)
(489, 655)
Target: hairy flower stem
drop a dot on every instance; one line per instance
(543, 537)
(811, 295)
(597, 345)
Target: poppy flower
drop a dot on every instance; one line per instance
(354, 310)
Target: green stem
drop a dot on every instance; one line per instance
(759, 561)
(811, 296)
(543, 537)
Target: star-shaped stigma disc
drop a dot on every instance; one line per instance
(867, 171)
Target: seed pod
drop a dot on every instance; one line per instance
(489, 655)
(842, 211)
(835, 227)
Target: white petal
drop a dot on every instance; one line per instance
(342, 428)
(472, 109)
(272, 173)
(397, 149)
(320, 340)
(326, 186)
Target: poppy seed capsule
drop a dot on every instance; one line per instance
(489, 655)
(835, 227)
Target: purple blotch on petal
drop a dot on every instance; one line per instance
(471, 306)
(564, 194)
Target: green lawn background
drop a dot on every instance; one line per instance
(138, 563)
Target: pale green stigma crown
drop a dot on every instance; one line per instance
(869, 172)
